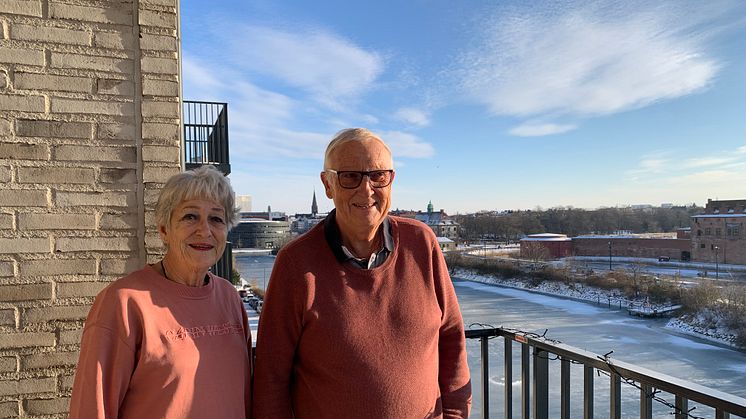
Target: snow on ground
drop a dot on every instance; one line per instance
(702, 326)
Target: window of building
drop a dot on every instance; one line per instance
(730, 211)
(718, 231)
(702, 246)
(699, 233)
(708, 231)
(716, 210)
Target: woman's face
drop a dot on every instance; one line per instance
(196, 234)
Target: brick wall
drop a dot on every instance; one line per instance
(631, 247)
(89, 131)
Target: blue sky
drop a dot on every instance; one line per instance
(487, 105)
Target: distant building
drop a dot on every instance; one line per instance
(718, 234)
(301, 223)
(446, 244)
(546, 246)
(259, 233)
(633, 246)
(439, 222)
(243, 202)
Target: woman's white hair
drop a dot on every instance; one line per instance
(205, 182)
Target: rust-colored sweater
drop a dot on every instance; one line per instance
(153, 348)
(336, 341)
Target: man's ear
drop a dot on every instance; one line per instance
(327, 185)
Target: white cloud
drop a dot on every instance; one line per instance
(403, 144)
(537, 130)
(413, 116)
(589, 58)
(329, 67)
(708, 161)
(741, 150)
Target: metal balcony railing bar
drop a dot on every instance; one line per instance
(538, 350)
(206, 134)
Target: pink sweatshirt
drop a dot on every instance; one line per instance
(153, 348)
(336, 341)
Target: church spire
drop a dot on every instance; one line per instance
(314, 206)
(430, 207)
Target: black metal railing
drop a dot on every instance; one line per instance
(206, 135)
(536, 352)
(224, 266)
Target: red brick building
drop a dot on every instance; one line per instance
(718, 234)
(546, 246)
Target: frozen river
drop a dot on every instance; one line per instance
(642, 342)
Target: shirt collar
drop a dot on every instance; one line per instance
(334, 237)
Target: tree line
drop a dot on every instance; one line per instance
(513, 225)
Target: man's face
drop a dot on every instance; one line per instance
(363, 209)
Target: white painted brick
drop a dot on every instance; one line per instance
(32, 81)
(9, 410)
(92, 62)
(79, 289)
(159, 65)
(24, 245)
(97, 199)
(90, 14)
(158, 42)
(23, 198)
(27, 386)
(115, 87)
(119, 221)
(119, 267)
(23, 103)
(21, 56)
(22, 151)
(7, 269)
(57, 175)
(118, 176)
(8, 318)
(159, 174)
(158, 19)
(70, 337)
(160, 154)
(6, 128)
(5, 174)
(21, 7)
(101, 244)
(48, 34)
(47, 314)
(160, 87)
(116, 132)
(44, 267)
(26, 292)
(113, 40)
(60, 105)
(160, 109)
(26, 339)
(158, 131)
(8, 364)
(55, 406)
(84, 153)
(52, 129)
(28, 221)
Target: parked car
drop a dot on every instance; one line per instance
(663, 258)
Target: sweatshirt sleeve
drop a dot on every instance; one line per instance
(280, 327)
(102, 376)
(453, 370)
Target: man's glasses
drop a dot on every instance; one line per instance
(350, 179)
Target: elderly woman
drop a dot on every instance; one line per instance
(171, 340)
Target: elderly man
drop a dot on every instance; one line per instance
(360, 318)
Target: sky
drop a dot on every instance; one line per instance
(486, 105)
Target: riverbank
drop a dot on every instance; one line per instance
(704, 326)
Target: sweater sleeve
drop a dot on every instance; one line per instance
(280, 327)
(102, 377)
(453, 370)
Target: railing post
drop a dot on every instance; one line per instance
(682, 407)
(541, 384)
(565, 388)
(508, 378)
(525, 382)
(720, 414)
(587, 392)
(646, 401)
(615, 396)
(484, 340)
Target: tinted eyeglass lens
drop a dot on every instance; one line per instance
(350, 179)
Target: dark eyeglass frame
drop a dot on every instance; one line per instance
(363, 174)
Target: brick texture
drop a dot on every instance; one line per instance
(83, 153)
(33, 81)
(23, 198)
(23, 245)
(21, 7)
(48, 34)
(25, 292)
(47, 314)
(58, 267)
(27, 386)
(61, 175)
(52, 129)
(79, 289)
(26, 339)
(47, 406)
(56, 221)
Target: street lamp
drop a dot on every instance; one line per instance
(716, 263)
(609, 254)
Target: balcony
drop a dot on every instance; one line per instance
(647, 394)
(206, 135)
(206, 142)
